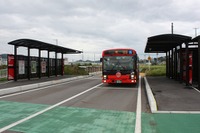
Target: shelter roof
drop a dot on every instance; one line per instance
(165, 42)
(43, 46)
(196, 39)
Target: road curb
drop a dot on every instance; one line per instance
(151, 99)
(11, 90)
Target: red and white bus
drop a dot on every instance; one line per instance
(119, 66)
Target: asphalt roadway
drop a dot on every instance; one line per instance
(79, 105)
(104, 108)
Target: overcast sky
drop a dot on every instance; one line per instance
(95, 25)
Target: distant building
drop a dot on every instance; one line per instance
(66, 62)
(0, 60)
(3, 59)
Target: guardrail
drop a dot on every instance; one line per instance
(3, 73)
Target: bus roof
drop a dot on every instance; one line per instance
(115, 51)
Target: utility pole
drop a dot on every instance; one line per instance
(94, 57)
(82, 55)
(157, 58)
(195, 30)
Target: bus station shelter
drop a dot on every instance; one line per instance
(182, 56)
(22, 67)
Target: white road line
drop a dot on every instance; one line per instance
(49, 108)
(138, 110)
(195, 89)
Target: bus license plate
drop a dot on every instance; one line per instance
(118, 81)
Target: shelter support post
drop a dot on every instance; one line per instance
(167, 64)
(29, 65)
(15, 63)
(172, 64)
(175, 63)
(39, 63)
(56, 65)
(199, 64)
(62, 65)
(170, 68)
(181, 64)
(48, 64)
(187, 64)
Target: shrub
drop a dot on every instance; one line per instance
(74, 70)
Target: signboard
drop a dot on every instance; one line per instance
(21, 67)
(33, 66)
(149, 58)
(10, 67)
(43, 66)
(10, 73)
(10, 60)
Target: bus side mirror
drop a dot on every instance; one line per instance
(101, 59)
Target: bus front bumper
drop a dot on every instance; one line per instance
(119, 81)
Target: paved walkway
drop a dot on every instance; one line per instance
(178, 108)
(171, 95)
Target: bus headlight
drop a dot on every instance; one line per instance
(132, 76)
(104, 76)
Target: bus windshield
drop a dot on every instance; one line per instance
(118, 63)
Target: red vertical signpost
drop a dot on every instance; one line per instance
(190, 67)
(11, 64)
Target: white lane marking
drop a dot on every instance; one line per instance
(47, 109)
(138, 110)
(196, 89)
(40, 88)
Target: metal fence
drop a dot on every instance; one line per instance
(3, 73)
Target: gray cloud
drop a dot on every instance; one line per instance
(94, 25)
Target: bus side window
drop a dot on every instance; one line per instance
(101, 59)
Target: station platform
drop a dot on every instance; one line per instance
(171, 95)
(11, 87)
(175, 108)
(21, 82)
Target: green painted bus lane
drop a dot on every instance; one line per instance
(170, 123)
(72, 120)
(11, 112)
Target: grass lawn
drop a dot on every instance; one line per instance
(153, 70)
